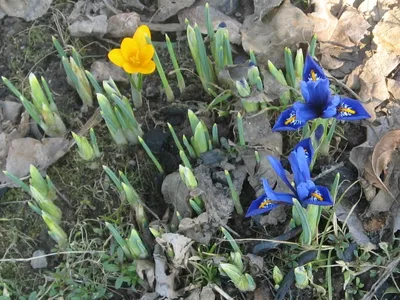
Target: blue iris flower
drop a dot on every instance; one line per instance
(304, 189)
(319, 102)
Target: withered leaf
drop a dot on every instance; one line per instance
(383, 150)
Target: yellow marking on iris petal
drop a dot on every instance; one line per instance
(265, 203)
(347, 110)
(318, 196)
(313, 75)
(290, 120)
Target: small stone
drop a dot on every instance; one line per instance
(89, 26)
(103, 70)
(40, 262)
(123, 25)
(11, 110)
(212, 157)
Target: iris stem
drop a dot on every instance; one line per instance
(167, 88)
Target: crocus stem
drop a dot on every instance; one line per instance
(234, 194)
(151, 155)
(179, 77)
(161, 73)
(136, 89)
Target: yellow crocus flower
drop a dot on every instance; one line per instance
(135, 54)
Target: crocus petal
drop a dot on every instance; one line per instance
(115, 56)
(288, 121)
(148, 68)
(320, 195)
(299, 164)
(278, 197)
(316, 93)
(146, 53)
(280, 171)
(305, 111)
(308, 148)
(312, 71)
(130, 67)
(261, 205)
(331, 107)
(140, 35)
(129, 48)
(350, 109)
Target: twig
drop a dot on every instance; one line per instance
(382, 279)
(355, 95)
(46, 255)
(221, 292)
(327, 171)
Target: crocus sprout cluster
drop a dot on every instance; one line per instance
(76, 74)
(304, 189)
(42, 109)
(319, 102)
(44, 193)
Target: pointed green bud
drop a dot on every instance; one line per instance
(55, 231)
(253, 73)
(299, 64)
(136, 246)
(301, 277)
(277, 275)
(243, 88)
(37, 181)
(187, 177)
(236, 259)
(193, 120)
(38, 96)
(85, 150)
(200, 142)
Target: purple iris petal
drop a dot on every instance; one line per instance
(288, 121)
(280, 171)
(308, 148)
(350, 109)
(305, 111)
(263, 202)
(304, 189)
(331, 107)
(310, 67)
(320, 195)
(299, 164)
(279, 197)
(268, 201)
(316, 93)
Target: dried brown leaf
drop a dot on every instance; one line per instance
(374, 73)
(284, 26)
(387, 32)
(383, 150)
(339, 38)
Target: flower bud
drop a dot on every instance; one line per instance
(301, 277)
(277, 275)
(243, 88)
(253, 73)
